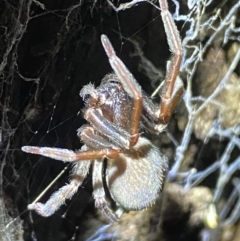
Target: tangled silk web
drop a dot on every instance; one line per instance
(49, 50)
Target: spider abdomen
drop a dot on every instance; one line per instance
(135, 178)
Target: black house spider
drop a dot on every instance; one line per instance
(135, 167)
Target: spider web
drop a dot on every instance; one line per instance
(50, 49)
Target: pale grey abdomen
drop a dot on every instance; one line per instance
(135, 178)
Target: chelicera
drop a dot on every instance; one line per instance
(135, 168)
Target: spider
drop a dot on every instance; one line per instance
(135, 168)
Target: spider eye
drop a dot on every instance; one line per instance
(110, 78)
(113, 81)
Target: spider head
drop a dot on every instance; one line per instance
(96, 97)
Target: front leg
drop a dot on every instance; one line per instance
(99, 194)
(130, 85)
(173, 85)
(173, 88)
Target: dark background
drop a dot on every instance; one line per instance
(48, 53)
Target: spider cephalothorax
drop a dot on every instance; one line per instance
(135, 168)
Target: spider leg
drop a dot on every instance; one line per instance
(66, 155)
(115, 134)
(150, 117)
(99, 194)
(129, 84)
(58, 198)
(173, 88)
(92, 139)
